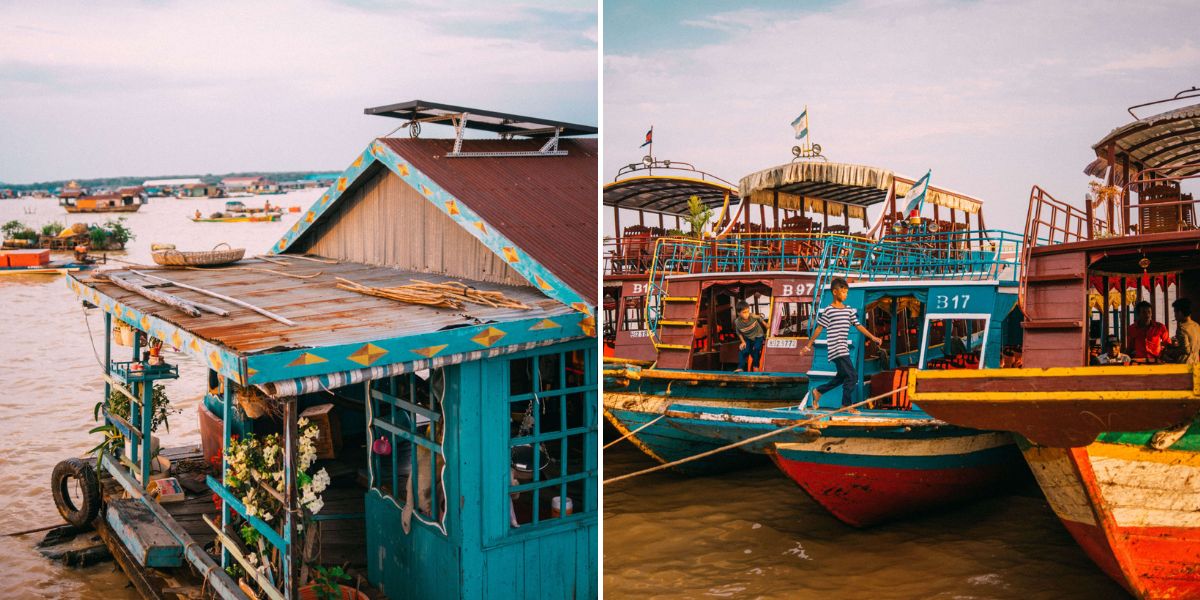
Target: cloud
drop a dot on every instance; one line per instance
(196, 87)
(993, 97)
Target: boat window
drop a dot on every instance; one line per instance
(908, 312)
(954, 342)
(406, 423)
(791, 318)
(552, 438)
(635, 314)
(760, 304)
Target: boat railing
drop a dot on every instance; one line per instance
(734, 253)
(1160, 207)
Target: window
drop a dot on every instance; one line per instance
(552, 437)
(791, 318)
(407, 427)
(635, 313)
(954, 342)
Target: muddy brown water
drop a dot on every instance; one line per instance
(51, 380)
(755, 534)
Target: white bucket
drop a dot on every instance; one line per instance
(556, 506)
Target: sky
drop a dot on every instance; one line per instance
(155, 87)
(992, 97)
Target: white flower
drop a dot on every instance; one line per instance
(316, 506)
(320, 481)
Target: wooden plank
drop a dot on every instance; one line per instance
(142, 582)
(146, 539)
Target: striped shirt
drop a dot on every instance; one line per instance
(752, 328)
(837, 323)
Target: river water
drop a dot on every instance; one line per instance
(755, 534)
(51, 379)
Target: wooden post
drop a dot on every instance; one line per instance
(775, 204)
(641, 217)
(1124, 194)
(824, 215)
(1166, 304)
(660, 221)
(290, 579)
(762, 214)
(107, 357)
(1104, 318)
(678, 222)
(894, 327)
(226, 434)
(617, 223)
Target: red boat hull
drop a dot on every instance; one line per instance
(1140, 527)
(863, 494)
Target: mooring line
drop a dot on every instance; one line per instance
(751, 440)
(656, 419)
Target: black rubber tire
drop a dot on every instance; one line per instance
(64, 472)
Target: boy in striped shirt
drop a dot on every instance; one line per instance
(837, 318)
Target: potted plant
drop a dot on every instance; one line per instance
(327, 585)
(118, 405)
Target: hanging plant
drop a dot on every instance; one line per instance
(255, 475)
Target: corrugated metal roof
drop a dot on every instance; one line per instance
(544, 204)
(666, 194)
(324, 315)
(1172, 137)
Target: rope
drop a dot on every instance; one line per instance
(750, 440)
(656, 419)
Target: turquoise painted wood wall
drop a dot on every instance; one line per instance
(479, 556)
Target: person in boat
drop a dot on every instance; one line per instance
(198, 214)
(81, 254)
(751, 330)
(1114, 356)
(1094, 354)
(837, 318)
(1146, 336)
(267, 206)
(1185, 346)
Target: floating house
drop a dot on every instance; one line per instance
(200, 190)
(456, 454)
(239, 184)
(167, 187)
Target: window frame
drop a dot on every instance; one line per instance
(930, 317)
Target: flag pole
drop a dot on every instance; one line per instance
(652, 149)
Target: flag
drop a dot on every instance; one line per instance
(916, 196)
(649, 138)
(801, 125)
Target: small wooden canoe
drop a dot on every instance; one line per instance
(171, 257)
(50, 268)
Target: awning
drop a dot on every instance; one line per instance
(667, 194)
(857, 186)
(1170, 138)
(838, 182)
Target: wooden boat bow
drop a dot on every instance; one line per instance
(1061, 407)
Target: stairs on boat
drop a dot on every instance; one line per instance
(677, 328)
(1055, 321)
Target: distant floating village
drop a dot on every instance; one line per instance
(182, 187)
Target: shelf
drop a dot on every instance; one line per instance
(140, 372)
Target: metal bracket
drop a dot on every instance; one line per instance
(550, 148)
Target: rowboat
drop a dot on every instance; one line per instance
(253, 218)
(1116, 449)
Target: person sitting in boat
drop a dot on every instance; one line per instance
(1094, 353)
(751, 330)
(1185, 346)
(1114, 356)
(1146, 336)
(81, 254)
(198, 216)
(837, 318)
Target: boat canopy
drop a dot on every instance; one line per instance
(666, 194)
(1172, 137)
(831, 188)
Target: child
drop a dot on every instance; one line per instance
(837, 319)
(751, 330)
